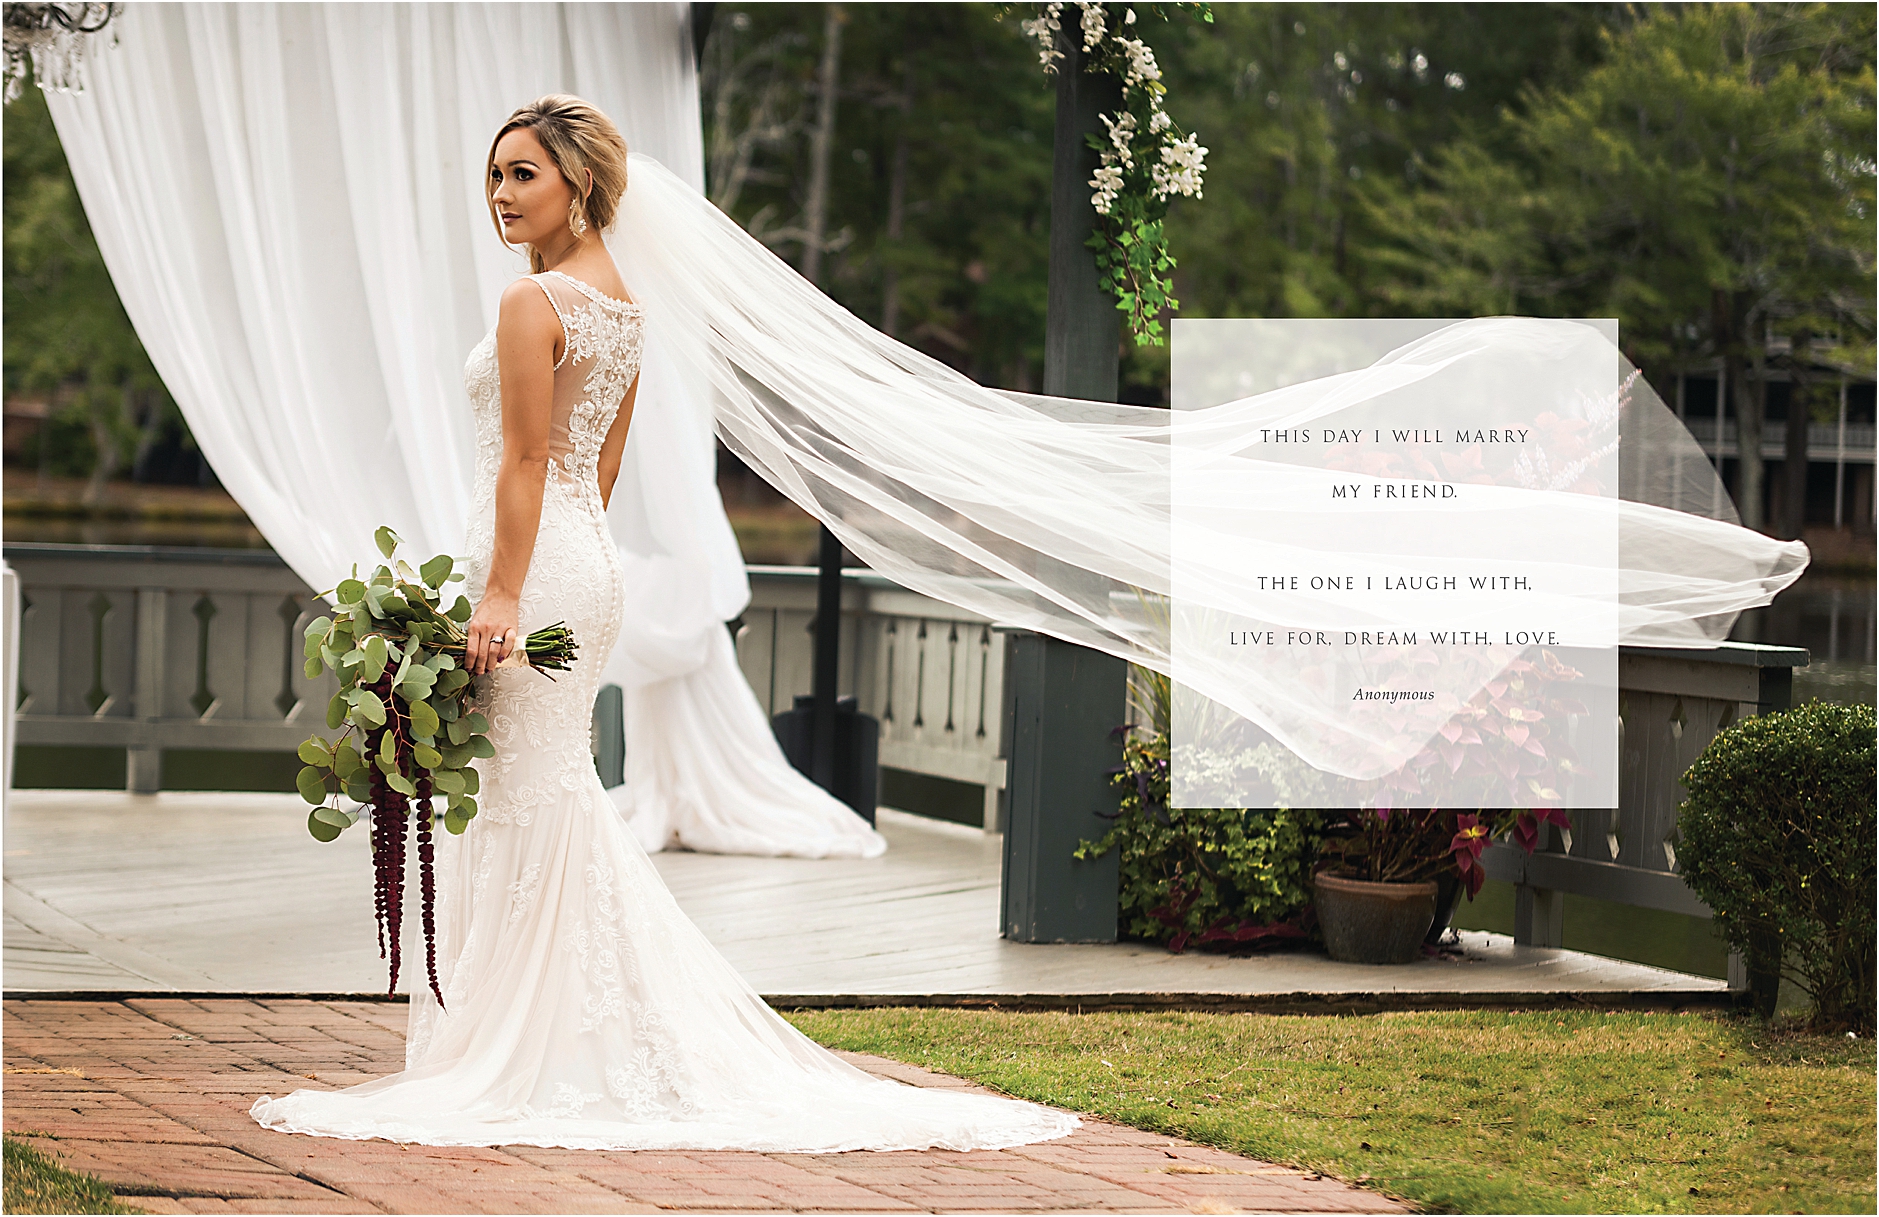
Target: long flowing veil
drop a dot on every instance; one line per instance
(1056, 515)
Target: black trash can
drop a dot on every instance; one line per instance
(857, 749)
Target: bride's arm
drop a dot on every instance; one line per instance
(615, 444)
(527, 331)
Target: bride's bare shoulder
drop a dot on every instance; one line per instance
(526, 315)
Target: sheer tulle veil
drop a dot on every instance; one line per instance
(1056, 515)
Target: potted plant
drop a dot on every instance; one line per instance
(1389, 873)
(1376, 891)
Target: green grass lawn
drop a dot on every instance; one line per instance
(35, 1183)
(1466, 1111)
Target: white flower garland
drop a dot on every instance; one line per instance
(1177, 163)
(1145, 160)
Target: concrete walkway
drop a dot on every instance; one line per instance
(226, 893)
(151, 1095)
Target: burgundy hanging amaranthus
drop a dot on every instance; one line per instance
(407, 700)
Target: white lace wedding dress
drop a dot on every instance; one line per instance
(581, 1007)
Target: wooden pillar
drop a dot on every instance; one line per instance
(1063, 701)
(1082, 325)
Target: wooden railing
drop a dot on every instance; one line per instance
(931, 673)
(1672, 703)
(150, 649)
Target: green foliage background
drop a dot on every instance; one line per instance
(67, 336)
(1700, 171)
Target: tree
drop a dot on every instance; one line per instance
(67, 336)
(1709, 180)
(937, 195)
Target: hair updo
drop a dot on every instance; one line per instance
(580, 140)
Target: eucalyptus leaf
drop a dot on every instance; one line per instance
(455, 822)
(402, 784)
(448, 708)
(312, 644)
(478, 724)
(376, 657)
(461, 610)
(388, 751)
(456, 758)
(436, 572)
(359, 792)
(347, 761)
(467, 806)
(332, 815)
(480, 746)
(472, 781)
(450, 682)
(312, 784)
(336, 709)
(459, 731)
(424, 724)
(450, 781)
(314, 752)
(313, 668)
(387, 541)
(321, 830)
(427, 756)
(350, 591)
(369, 708)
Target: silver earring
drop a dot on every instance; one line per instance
(576, 221)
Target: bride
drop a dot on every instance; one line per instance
(581, 1007)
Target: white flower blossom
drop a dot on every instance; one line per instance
(1183, 163)
(1159, 121)
(1108, 184)
(1093, 25)
(1045, 28)
(1122, 138)
(1128, 18)
(1141, 62)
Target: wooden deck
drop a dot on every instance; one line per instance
(225, 893)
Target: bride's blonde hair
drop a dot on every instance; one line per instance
(581, 140)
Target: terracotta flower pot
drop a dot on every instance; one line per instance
(1366, 922)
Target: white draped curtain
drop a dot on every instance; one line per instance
(289, 198)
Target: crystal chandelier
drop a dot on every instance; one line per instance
(51, 39)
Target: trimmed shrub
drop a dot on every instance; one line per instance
(1218, 878)
(1777, 837)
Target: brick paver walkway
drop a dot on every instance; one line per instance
(152, 1096)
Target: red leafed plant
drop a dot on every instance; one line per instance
(1504, 745)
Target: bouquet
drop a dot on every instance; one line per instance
(409, 730)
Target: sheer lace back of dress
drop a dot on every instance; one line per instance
(601, 348)
(599, 359)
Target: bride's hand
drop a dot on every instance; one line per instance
(493, 634)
